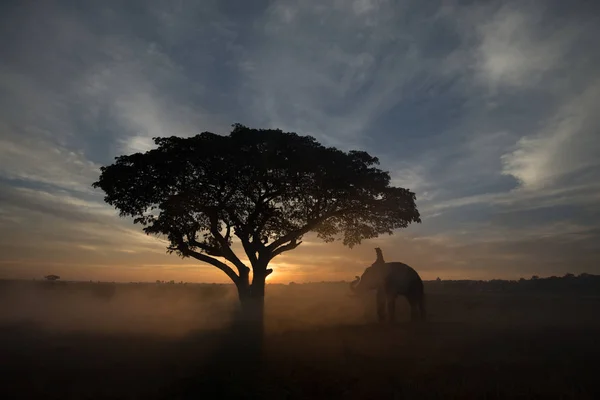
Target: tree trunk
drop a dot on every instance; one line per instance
(238, 362)
(252, 300)
(248, 327)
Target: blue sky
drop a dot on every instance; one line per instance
(487, 110)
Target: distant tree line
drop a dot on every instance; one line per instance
(570, 283)
(585, 284)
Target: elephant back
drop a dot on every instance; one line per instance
(402, 277)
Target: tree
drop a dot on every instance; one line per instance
(51, 277)
(262, 187)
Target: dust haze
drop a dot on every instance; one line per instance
(494, 339)
(178, 309)
(165, 309)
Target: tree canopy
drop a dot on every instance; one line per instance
(266, 187)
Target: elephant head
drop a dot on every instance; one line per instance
(371, 279)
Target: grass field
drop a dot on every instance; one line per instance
(77, 341)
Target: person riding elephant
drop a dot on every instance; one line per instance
(390, 280)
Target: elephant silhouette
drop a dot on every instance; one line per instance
(390, 280)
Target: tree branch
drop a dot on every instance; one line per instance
(259, 209)
(228, 233)
(228, 254)
(211, 251)
(250, 250)
(292, 236)
(249, 247)
(204, 258)
(290, 246)
(305, 229)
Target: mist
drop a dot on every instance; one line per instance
(170, 310)
(171, 341)
(109, 308)
(177, 310)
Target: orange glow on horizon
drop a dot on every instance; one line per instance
(312, 263)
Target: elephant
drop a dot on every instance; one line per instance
(391, 279)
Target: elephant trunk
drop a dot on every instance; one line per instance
(354, 284)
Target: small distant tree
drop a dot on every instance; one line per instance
(51, 277)
(264, 188)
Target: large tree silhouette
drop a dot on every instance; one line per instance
(265, 187)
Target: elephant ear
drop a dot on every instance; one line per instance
(388, 282)
(386, 271)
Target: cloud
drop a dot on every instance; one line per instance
(514, 51)
(59, 220)
(131, 84)
(66, 117)
(44, 162)
(331, 69)
(34, 137)
(486, 111)
(519, 143)
(546, 249)
(568, 143)
(119, 91)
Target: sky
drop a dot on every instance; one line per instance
(487, 110)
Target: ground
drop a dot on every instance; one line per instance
(169, 342)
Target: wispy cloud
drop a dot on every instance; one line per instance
(42, 161)
(514, 50)
(568, 143)
(332, 69)
(136, 86)
(486, 110)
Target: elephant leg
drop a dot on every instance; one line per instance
(414, 308)
(381, 305)
(422, 308)
(391, 308)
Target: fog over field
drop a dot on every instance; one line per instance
(115, 308)
(162, 341)
(177, 309)
(171, 309)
